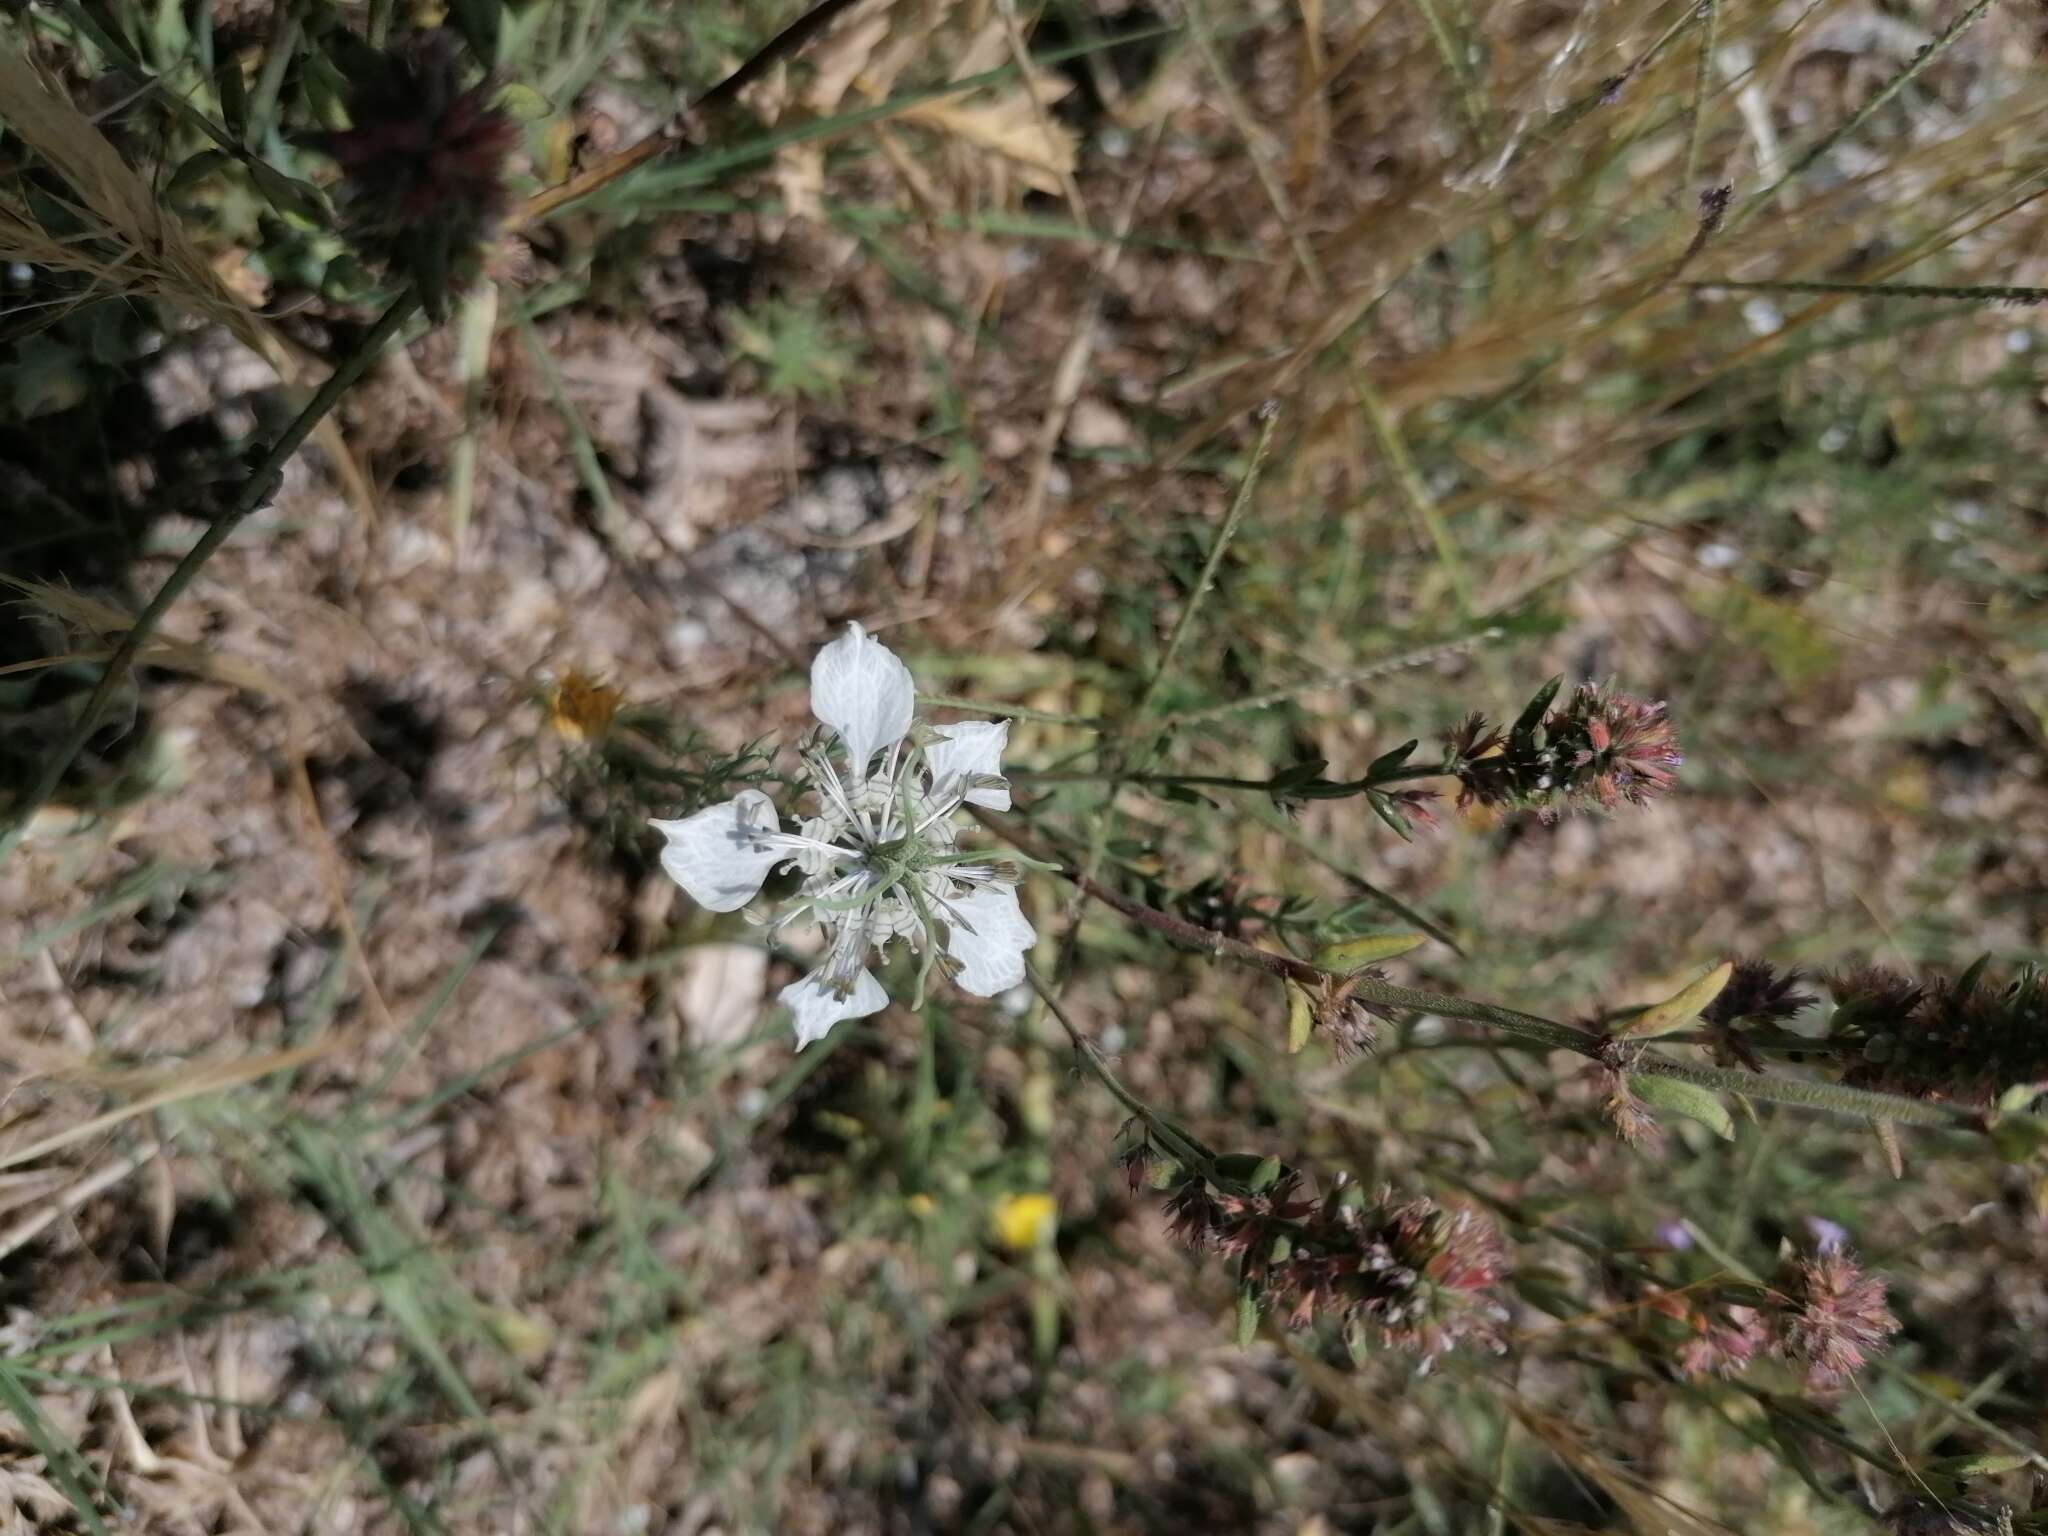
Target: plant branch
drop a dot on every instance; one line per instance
(1548, 1033)
(1980, 293)
(1898, 82)
(1325, 790)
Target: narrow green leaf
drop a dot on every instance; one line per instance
(59, 1455)
(1383, 808)
(1679, 1009)
(288, 195)
(523, 102)
(1988, 1464)
(1533, 712)
(1688, 1099)
(1387, 762)
(1368, 949)
(1301, 1021)
(195, 170)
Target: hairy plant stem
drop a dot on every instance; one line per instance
(1333, 791)
(1548, 1033)
(255, 491)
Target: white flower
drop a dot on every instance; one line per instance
(878, 852)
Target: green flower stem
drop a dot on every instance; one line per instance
(1239, 505)
(1190, 1152)
(255, 491)
(1812, 1094)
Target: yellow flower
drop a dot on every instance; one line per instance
(921, 1204)
(1023, 1222)
(581, 708)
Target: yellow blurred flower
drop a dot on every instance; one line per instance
(921, 1204)
(580, 708)
(1023, 1222)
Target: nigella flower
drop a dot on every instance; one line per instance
(878, 853)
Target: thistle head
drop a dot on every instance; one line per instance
(423, 163)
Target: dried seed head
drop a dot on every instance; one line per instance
(1417, 1276)
(1721, 1341)
(1343, 1019)
(1631, 1119)
(1924, 1517)
(581, 708)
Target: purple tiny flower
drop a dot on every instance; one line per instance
(1827, 1235)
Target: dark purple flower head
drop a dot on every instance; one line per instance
(1756, 993)
(1758, 990)
(1966, 1041)
(423, 163)
(1873, 993)
(1138, 1161)
(1414, 1276)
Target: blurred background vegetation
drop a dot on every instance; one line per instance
(389, 1148)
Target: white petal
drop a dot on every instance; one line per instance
(723, 853)
(969, 749)
(816, 1009)
(991, 955)
(861, 690)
